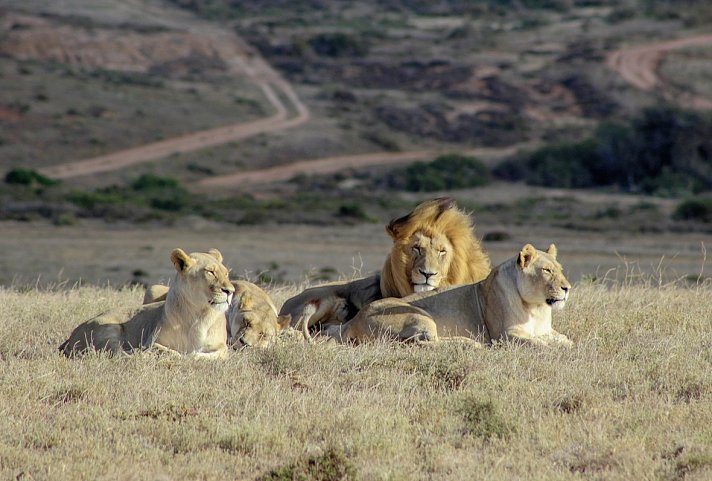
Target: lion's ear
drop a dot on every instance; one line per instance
(246, 302)
(526, 256)
(552, 251)
(216, 254)
(394, 227)
(283, 321)
(181, 260)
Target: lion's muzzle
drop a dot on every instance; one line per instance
(221, 301)
(559, 302)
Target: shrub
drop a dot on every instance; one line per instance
(662, 151)
(353, 210)
(450, 171)
(22, 176)
(330, 466)
(152, 181)
(483, 420)
(697, 209)
(338, 44)
(90, 200)
(163, 193)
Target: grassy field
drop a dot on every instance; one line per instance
(630, 401)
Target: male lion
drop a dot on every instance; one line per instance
(252, 319)
(191, 320)
(433, 246)
(514, 302)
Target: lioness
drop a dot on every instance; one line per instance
(433, 246)
(190, 321)
(251, 320)
(514, 302)
(252, 317)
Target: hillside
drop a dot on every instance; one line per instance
(327, 112)
(376, 77)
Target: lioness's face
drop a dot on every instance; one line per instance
(542, 279)
(204, 273)
(430, 258)
(249, 329)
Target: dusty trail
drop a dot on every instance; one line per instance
(638, 65)
(254, 67)
(329, 165)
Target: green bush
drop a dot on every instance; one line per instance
(333, 465)
(482, 419)
(353, 210)
(22, 176)
(338, 44)
(163, 193)
(662, 151)
(151, 182)
(696, 209)
(450, 171)
(99, 197)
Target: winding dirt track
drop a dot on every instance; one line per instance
(329, 165)
(638, 65)
(240, 64)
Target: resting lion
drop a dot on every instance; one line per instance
(514, 302)
(433, 246)
(191, 320)
(252, 319)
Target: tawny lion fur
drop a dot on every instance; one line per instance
(251, 320)
(191, 319)
(433, 246)
(514, 302)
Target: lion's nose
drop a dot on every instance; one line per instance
(426, 274)
(226, 291)
(565, 288)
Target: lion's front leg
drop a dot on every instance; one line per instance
(216, 351)
(559, 339)
(521, 336)
(161, 349)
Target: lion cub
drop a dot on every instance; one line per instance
(191, 319)
(252, 319)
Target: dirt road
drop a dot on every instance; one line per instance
(241, 62)
(639, 64)
(329, 165)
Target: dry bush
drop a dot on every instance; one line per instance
(631, 400)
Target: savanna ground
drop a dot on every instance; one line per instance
(631, 400)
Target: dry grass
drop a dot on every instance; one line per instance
(631, 400)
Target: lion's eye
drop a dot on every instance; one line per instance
(442, 252)
(546, 269)
(417, 250)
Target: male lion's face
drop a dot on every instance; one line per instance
(204, 274)
(541, 279)
(430, 258)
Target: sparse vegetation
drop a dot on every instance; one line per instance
(377, 411)
(22, 176)
(330, 466)
(447, 172)
(663, 151)
(338, 44)
(695, 209)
